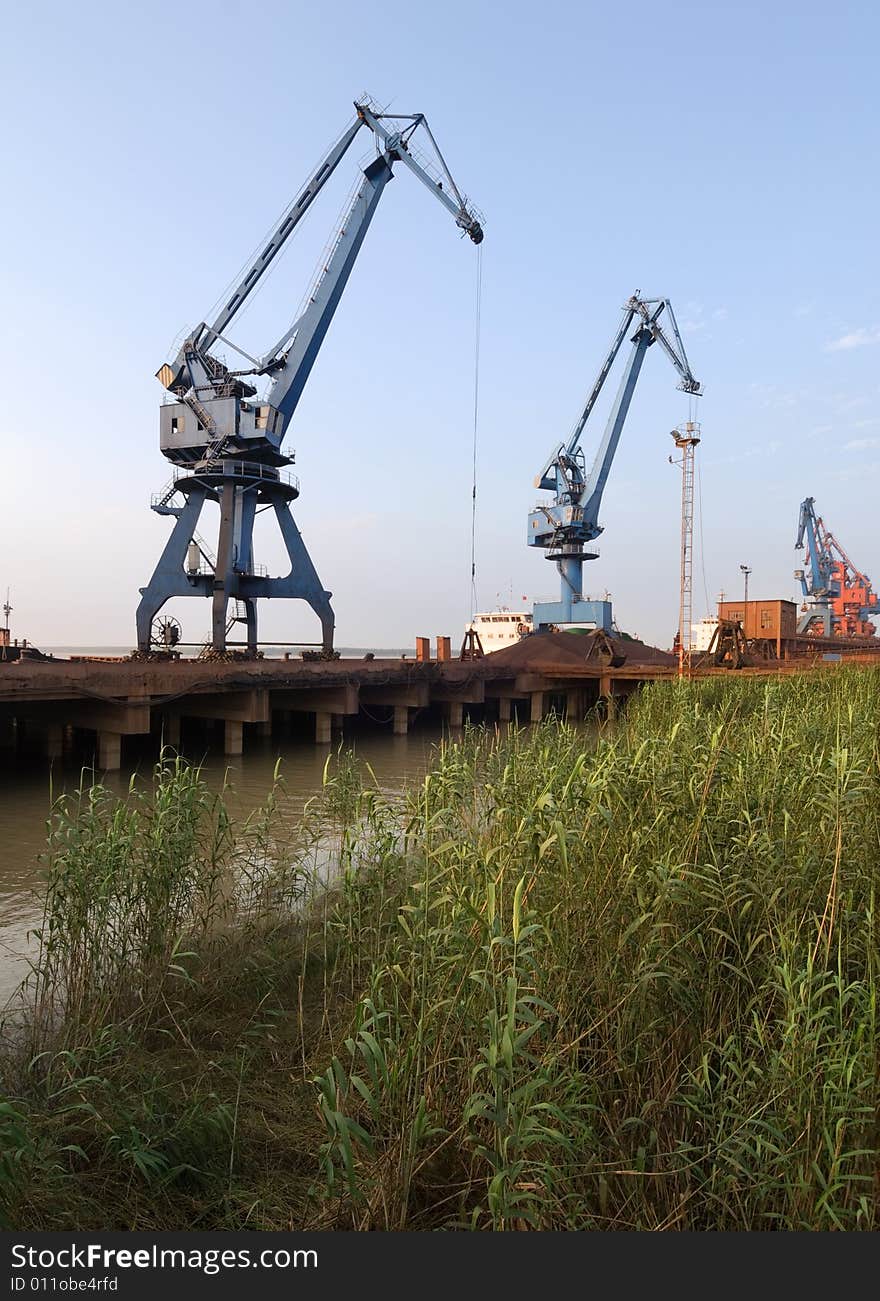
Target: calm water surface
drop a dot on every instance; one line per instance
(27, 789)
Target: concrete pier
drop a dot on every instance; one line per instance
(575, 705)
(170, 724)
(8, 735)
(233, 736)
(42, 701)
(454, 711)
(109, 754)
(607, 696)
(54, 740)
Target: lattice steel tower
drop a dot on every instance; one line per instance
(686, 436)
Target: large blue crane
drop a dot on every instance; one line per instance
(566, 526)
(226, 440)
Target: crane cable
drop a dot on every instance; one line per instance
(477, 320)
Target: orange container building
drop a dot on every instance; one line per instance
(774, 621)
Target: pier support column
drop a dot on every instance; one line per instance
(574, 705)
(233, 732)
(263, 729)
(504, 708)
(8, 736)
(401, 720)
(109, 751)
(455, 714)
(606, 693)
(323, 703)
(171, 731)
(537, 706)
(338, 723)
(55, 741)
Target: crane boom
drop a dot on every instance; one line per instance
(563, 528)
(295, 365)
(193, 370)
(205, 335)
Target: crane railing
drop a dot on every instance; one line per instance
(227, 468)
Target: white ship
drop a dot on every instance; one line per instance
(702, 633)
(499, 628)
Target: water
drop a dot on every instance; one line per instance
(27, 789)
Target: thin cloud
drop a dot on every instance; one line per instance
(694, 319)
(763, 449)
(769, 395)
(863, 337)
(861, 444)
(840, 403)
(863, 472)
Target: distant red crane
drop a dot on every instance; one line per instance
(839, 597)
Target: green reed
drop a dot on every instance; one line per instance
(592, 979)
(629, 983)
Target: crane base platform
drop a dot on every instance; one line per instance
(580, 613)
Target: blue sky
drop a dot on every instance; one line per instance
(723, 157)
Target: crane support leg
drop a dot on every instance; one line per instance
(303, 580)
(815, 614)
(169, 578)
(224, 580)
(233, 577)
(251, 624)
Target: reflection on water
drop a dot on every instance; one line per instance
(27, 790)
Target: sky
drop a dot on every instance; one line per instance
(724, 157)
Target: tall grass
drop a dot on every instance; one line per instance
(165, 932)
(625, 986)
(568, 981)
